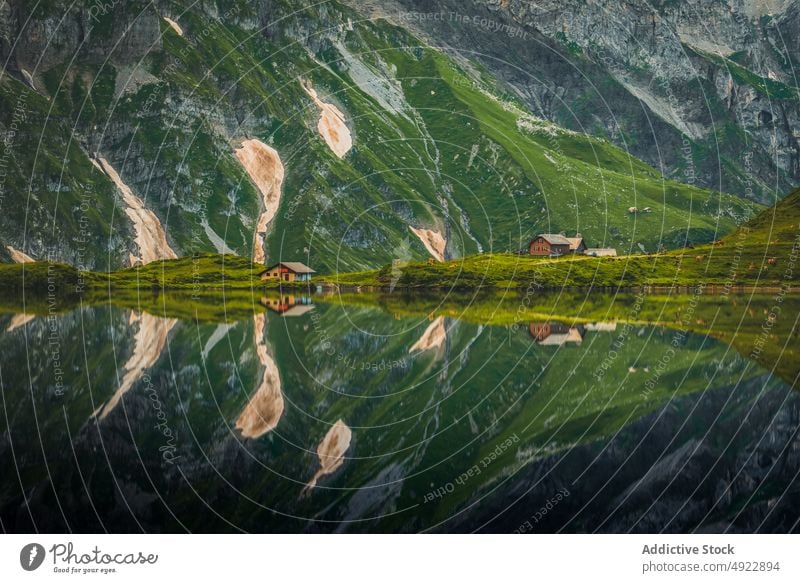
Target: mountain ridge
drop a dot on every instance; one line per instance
(436, 145)
(703, 91)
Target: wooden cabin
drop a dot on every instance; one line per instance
(550, 244)
(287, 271)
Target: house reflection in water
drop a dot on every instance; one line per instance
(601, 327)
(555, 333)
(288, 304)
(558, 334)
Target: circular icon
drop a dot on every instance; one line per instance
(31, 556)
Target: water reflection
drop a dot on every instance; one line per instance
(648, 428)
(433, 337)
(560, 334)
(148, 343)
(330, 452)
(555, 333)
(19, 321)
(264, 410)
(288, 304)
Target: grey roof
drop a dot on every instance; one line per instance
(554, 239)
(295, 266)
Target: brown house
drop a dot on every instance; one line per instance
(549, 244)
(287, 271)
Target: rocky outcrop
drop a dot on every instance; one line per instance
(99, 31)
(265, 169)
(19, 256)
(174, 25)
(151, 239)
(331, 125)
(685, 59)
(433, 241)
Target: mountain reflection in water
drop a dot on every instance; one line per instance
(331, 452)
(265, 408)
(391, 414)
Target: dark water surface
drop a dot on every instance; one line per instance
(317, 417)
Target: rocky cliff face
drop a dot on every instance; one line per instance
(114, 111)
(704, 89)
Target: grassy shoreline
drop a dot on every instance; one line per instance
(761, 254)
(718, 270)
(748, 322)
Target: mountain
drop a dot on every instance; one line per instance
(704, 90)
(137, 131)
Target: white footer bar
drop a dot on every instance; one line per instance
(407, 558)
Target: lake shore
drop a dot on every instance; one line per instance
(657, 273)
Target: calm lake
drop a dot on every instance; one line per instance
(402, 414)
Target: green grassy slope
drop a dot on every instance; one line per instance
(435, 146)
(762, 252)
